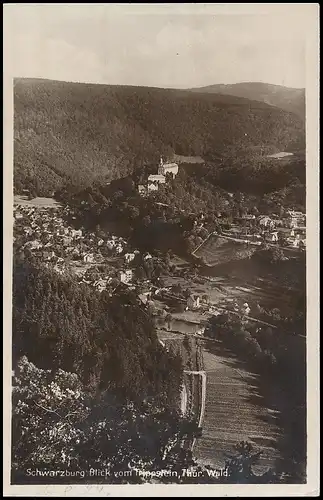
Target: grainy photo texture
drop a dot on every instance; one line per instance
(159, 247)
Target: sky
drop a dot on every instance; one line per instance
(166, 45)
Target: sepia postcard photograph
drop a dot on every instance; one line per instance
(161, 249)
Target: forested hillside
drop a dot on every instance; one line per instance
(286, 98)
(72, 133)
(109, 342)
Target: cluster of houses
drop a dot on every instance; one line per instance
(102, 262)
(44, 233)
(189, 301)
(106, 281)
(289, 230)
(117, 272)
(154, 180)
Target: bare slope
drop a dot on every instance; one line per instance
(218, 250)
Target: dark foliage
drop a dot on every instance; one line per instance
(110, 342)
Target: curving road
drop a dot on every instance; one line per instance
(202, 375)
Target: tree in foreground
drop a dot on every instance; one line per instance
(56, 425)
(240, 465)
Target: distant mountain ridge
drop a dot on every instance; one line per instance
(287, 98)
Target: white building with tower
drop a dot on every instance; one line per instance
(159, 178)
(154, 180)
(164, 168)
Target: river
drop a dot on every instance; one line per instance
(235, 411)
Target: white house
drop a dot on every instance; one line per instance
(248, 217)
(193, 302)
(152, 187)
(292, 222)
(75, 233)
(100, 284)
(89, 257)
(274, 236)
(245, 308)
(165, 168)
(200, 330)
(129, 257)
(295, 218)
(266, 221)
(125, 276)
(295, 213)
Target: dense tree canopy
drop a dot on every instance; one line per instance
(110, 342)
(72, 133)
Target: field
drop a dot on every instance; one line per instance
(218, 250)
(235, 411)
(39, 202)
(187, 159)
(280, 155)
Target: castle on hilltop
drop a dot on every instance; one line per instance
(154, 180)
(163, 168)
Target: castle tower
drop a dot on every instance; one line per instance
(161, 166)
